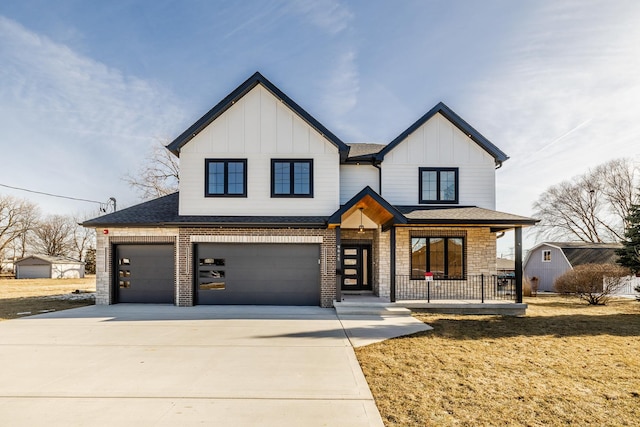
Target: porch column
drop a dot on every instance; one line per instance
(392, 261)
(518, 249)
(338, 266)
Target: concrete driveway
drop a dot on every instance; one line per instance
(166, 366)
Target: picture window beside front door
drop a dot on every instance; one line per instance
(291, 178)
(225, 178)
(442, 256)
(546, 256)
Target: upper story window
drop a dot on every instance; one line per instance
(438, 185)
(291, 178)
(546, 256)
(225, 178)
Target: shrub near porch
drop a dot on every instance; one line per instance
(564, 363)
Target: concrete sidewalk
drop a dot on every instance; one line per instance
(165, 365)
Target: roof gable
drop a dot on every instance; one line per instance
(457, 121)
(238, 93)
(578, 253)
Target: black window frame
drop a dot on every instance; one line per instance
(226, 162)
(427, 266)
(291, 178)
(438, 171)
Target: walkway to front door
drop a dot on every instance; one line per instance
(356, 267)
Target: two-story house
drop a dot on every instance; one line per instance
(273, 208)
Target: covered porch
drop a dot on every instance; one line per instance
(379, 267)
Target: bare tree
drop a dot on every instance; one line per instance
(54, 235)
(83, 238)
(159, 175)
(592, 207)
(17, 219)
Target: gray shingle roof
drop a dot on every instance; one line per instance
(164, 211)
(464, 214)
(52, 259)
(363, 150)
(578, 253)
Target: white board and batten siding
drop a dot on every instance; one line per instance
(439, 143)
(259, 127)
(353, 178)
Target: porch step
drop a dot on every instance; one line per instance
(363, 308)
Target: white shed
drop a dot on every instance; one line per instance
(49, 267)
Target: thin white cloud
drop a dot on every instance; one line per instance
(340, 92)
(564, 97)
(329, 15)
(79, 124)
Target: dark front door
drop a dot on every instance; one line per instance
(356, 267)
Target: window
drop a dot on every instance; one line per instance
(546, 256)
(211, 274)
(438, 185)
(225, 178)
(442, 256)
(291, 178)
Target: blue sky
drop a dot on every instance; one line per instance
(87, 87)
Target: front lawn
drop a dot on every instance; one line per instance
(565, 363)
(25, 297)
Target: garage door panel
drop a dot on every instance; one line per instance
(260, 274)
(145, 274)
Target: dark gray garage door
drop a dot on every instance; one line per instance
(257, 274)
(144, 273)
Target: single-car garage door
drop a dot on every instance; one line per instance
(257, 274)
(144, 274)
(33, 271)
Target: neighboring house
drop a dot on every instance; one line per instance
(549, 260)
(49, 267)
(273, 208)
(506, 267)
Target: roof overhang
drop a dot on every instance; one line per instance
(238, 93)
(373, 206)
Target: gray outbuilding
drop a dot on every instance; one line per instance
(549, 260)
(48, 267)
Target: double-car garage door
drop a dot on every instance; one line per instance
(224, 273)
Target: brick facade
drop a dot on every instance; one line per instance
(480, 252)
(185, 238)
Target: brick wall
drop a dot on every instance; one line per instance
(104, 255)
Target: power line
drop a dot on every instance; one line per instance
(102, 204)
(52, 195)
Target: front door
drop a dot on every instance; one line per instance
(356, 267)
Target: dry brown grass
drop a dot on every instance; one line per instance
(35, 296)
(565, 363)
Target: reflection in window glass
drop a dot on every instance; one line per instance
(447, 185)
(211, 286)
(350, 281)
(281, 176)
(350, 272)
(301, 172)
(215, 274)
(429, 185)
(351, 252)
(348, 261)
(219, 262)
(442, 256)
